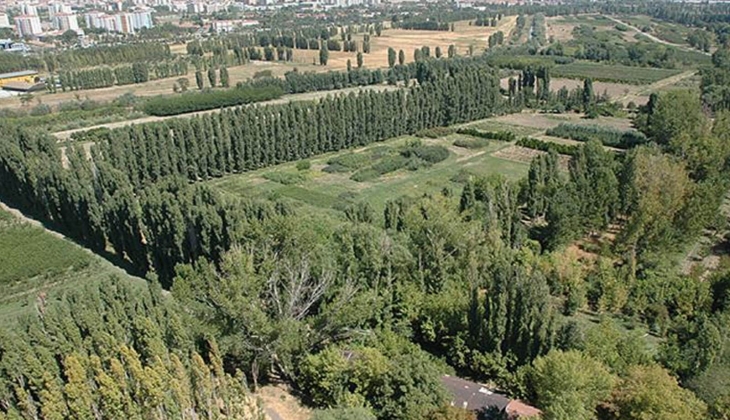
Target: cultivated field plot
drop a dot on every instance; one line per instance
(327, 187)
(612, 73)
(34, 262)
(541, 122)
(463, 36)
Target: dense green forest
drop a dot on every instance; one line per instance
(561, 288)
(115, 351)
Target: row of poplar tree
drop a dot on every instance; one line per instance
(119, 198)
(99, 77)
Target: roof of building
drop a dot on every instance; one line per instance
(473, 396)
(18, 74)
(23, 86)
(518, 409)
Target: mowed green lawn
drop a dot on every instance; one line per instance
(333, 191)
(34, 262)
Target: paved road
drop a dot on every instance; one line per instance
(65, 135)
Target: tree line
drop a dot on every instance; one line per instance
(121, 191)
(107, 55)
(115, 350)
(99, 77)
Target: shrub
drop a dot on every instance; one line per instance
(262, 74)
(546, 146)
(304, 165)
(390, 164)
(471, 143)
(350, 161)
(492, 135)
(462, 177)
(367, 174)
(435, 132)
(285, 178)
(41, 109)
(335, 168)
(430, 154)
(606, 135)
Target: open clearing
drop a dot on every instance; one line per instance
(462, 37)
(39, 264)
(331, 191)
(542, 122)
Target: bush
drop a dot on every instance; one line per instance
(390, 164)
(285, 178)
(363, 175)
(263, 74)
(606, 135)
(546, 146)
(430, 154)
(351, 161)
(335, 168)
(435, 132)
(471, 143)
(492, 135)
(41, 109)
(462, 177)
(304, 165)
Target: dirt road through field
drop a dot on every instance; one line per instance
(655, 39)
(639, 96)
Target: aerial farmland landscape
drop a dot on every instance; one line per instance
(364, 210)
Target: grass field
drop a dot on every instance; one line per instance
(463, 36)
(35, 263)
(333, 191)
(327, 190)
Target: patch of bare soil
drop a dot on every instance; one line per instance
(559, 30)
(280, 403)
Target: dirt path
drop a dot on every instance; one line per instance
(655, 39)
(636, 94)
(65, 135)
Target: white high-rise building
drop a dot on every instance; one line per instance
(56, 8)
(141, 19)
(28, 25)
(127, 23)
(28, 9)
(4, 21)
(65, 22)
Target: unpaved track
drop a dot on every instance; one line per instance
(655, 39)
(65, 135)
(637, 95)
